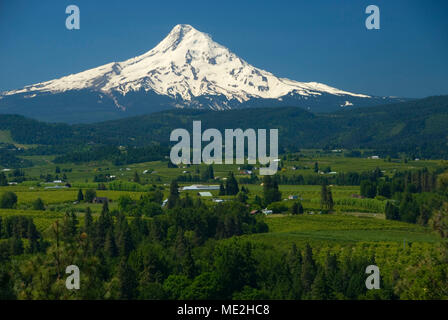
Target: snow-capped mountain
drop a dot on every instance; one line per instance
(186, 69)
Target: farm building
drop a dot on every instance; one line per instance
(205, 194)
(267, 211)
(100, 200)
(201, 187)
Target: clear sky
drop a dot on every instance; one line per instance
(319, 40)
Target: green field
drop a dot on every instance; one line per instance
(339, 229)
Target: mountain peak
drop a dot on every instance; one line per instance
(187, 66)
(182, 33)
(182, 28)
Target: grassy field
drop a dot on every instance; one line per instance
(339, 229)
(5, 137)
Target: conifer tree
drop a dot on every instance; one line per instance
(222, 190)
(3, 179)
(110, 247)
(173, 198)
(88, 221)
(136, 177)
(80, 195)
(323, 196)
(308, 269)
(330, 202)
(231, 185)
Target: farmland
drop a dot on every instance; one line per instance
(354, 227)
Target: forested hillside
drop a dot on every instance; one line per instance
(417, 128)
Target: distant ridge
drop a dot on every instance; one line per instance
(417, 128)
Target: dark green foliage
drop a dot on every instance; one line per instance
(38, 204)
(3, 179)
(136, 177)
(207, 173)
(8, 200)
(270, 190)
(409, 210)
(173, 198)
(222, 190)
(297, 208)
(90, 195)
(391, 211)
(368, 189)
(80, 195)
(16, 245)
(231, 185)
(326, 197)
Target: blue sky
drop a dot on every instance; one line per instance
(321, 40)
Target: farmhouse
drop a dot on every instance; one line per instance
(201, 187)
(267, 211)
(100, 200)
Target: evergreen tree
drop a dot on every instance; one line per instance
(296, 208)
(80, 195)
(368, 189)
(231, 185)
(105, 209)
(3, 179)
(242, 197)
(319, 289)
(330, 202)
(70, 227)
(323, 195)
(409, 209)
(90, 195)
(38, 204)
(110, 247)
(211, 173)
(33, 237)
(270, 190)
(127, 281)
(188, 266)
(8, 200)
(123, 236)
(136, 177)
(16, 245)
(308, 269)
(222, 190)
(392, 211)
(173, 198)
(294, 263)
(88, 221)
